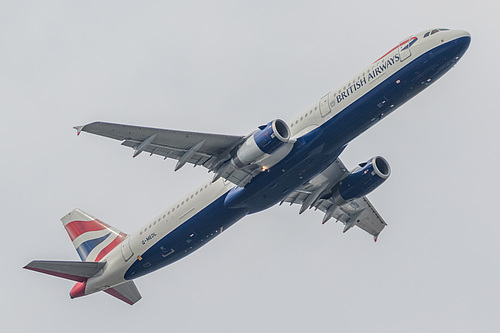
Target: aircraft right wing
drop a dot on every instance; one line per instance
(209, 150)
(235, 158)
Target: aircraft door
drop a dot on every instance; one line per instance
(404, 49)
(324, 106)
(127, 252)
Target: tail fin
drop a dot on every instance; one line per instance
(92, 238)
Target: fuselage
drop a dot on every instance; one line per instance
(321, 132)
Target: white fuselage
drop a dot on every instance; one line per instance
(132, 250)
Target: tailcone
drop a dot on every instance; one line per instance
(78, 290)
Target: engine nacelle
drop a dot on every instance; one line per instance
(364, 179)
(262, 143)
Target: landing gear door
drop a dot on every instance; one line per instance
(126, 249)
(404, 49)
(324, 106)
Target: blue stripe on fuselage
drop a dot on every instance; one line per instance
(311, 154)
(188, 237)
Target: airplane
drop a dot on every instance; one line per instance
(295, 162)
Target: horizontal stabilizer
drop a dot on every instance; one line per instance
(126, 292)
(78, 271)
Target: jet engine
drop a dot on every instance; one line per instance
(361, 181)
(262, 143)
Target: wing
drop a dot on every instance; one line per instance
(317, 194)
(212, 151)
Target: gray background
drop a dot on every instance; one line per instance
(227, 67)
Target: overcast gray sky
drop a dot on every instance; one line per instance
(227, 67)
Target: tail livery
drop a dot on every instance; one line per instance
(93, 240)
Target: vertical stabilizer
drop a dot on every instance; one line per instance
(92, 238)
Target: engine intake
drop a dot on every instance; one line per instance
(262, 143)
(363, 180)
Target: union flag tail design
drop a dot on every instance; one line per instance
(92, 238)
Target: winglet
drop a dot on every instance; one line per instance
(78, 129)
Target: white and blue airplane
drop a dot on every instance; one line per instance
(295, 162)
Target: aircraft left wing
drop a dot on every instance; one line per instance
(209, 150)
(317, 193)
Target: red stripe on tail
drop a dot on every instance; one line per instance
(77, 228)
(111, 246)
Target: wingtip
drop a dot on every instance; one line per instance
(78, 129)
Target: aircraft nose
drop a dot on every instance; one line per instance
(462, 39)
(461, 36)
(458, 41)
(459, 33)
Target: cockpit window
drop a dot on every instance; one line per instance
(428, 33)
